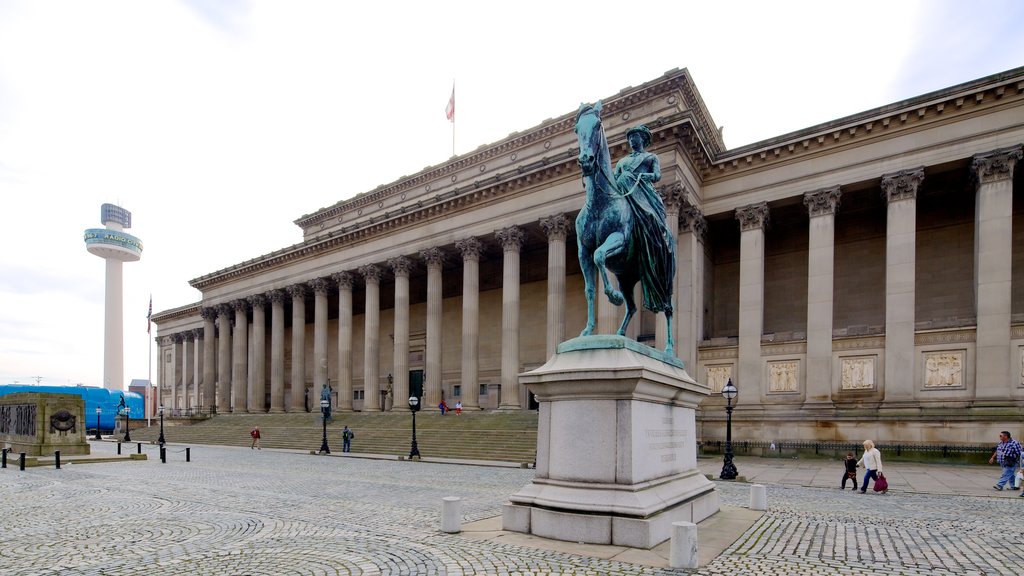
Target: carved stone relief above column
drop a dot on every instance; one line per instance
(997, 164)
(944, 369)
(783, 376)
(857, 373)
(717, 376)
(557, 227)
(823, 201)
(752, 216)
(902, 185)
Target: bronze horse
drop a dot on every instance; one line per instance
(621, 228)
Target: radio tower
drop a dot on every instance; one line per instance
(115, 246)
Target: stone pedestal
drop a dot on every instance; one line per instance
(39, 424)
(616, 447)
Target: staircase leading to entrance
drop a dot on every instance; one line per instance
(502, 436)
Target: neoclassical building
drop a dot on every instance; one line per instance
(859, 278)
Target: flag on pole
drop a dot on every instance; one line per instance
(149, 316)
(449, 110)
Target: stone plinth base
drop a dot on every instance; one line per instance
(40, 424)
(616, 447)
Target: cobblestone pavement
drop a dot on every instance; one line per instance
(235, 511)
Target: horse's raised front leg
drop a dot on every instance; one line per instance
(670, 345)
(614, 245)
(627, 293)
(589, 280)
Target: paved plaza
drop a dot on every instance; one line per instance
(236, 511)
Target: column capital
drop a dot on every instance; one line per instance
(257, 300)
(371, 273)
(752, 216)
(197, 333)
(297, 291)
(997, 164)
(691, 219)
(471, 248)
(176, 338)
(400, 266)
(208, 313)
(902, 185)
(511, 238)
(224, 310)
(277, 296)
(674, 196)
(434, 257)
(320, 285)
(557, 227)
(188, 335)
(344, 280)
(823, 201)
(240, 305)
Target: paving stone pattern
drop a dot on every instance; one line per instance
(234, 511)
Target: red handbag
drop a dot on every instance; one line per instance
(881, 484)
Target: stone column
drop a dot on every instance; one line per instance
(511, 240)
(993, 262)
(401, 266)
(557, 228)
(434, 373)
(197, 376)
(258, 372)
(174, 371)
(277, 300)
(224, 313)
(371, 349)
(209, 396)
(321, 287)
(821, 206)
(900, 191)
(753, 219)
(186, 340)
(689, 312)
(674, 198)
(471, 249)
(344, 281)
(240, 354)
(298, 377)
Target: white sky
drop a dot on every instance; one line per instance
(217, 124)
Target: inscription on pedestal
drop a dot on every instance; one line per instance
(666, 439)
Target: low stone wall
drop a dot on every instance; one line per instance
(40, 424)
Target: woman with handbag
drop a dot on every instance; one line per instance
(872, 461)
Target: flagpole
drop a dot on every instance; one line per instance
(149, 354)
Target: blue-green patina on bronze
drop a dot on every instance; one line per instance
(608, 341)
(622, 227)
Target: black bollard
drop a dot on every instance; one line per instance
(163, 455)
(188, 454)
(21, 462)
(139, 448)
(56, 458)
(4, 462)
(118, 448)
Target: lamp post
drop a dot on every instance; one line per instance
(728, 468)
(127, 421)
(414, 406)
(98, 412)
(161, 440)
(324, 406)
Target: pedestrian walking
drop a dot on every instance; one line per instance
(443, 407)
(346, 439)
(872, 461)
(850, 470)
(255, 434)
(1007, 454)
(458, 408)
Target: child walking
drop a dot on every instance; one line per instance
(850, 473)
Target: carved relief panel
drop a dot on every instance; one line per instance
(944, 369)
(857, 373)
(1022, 365)
(717, 376)
(783, 376)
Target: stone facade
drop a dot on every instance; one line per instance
(859, 278)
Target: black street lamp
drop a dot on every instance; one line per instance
(127, 422)
(98, 412)
(161, 440)
(414, 407)
(325, 405)
(729, 471)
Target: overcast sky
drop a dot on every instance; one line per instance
(217, 124)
